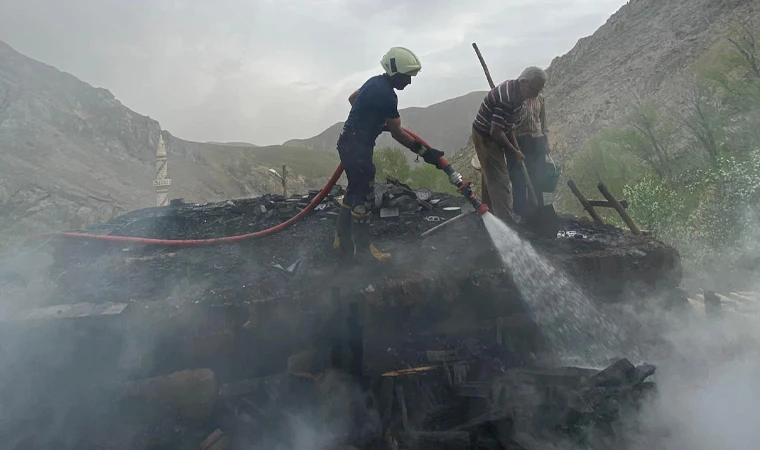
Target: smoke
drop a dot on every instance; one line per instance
(337, 412)
(52, 384)
(66, 372)
(708, 373)
(708, 378)
(708, 370)
(67, 382)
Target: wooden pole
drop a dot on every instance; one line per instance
(285, 180)
(619, 208)
(485, 197)
(582, 198)
(524, 171)
(483, 63)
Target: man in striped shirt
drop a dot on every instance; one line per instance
(499, 113)
(531, 138)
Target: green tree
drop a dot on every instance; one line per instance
(430, 177)
(734, 75)
(605, 159)
(702, 118)
(650, 137)
(745, 39)
(391, 161)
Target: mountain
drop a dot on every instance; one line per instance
(233, 144)
(643, 48)
(446, 125)
(71, 154)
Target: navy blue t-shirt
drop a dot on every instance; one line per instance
(375, 102)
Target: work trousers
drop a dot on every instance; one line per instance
(534, 149)
(356, 157)
(493, 167)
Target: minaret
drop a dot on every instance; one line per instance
(162, 181)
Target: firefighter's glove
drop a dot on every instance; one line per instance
(432, 156)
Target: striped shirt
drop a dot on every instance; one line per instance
(501, 106)
(532, 118)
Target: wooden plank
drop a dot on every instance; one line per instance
(619, 208)
(68, 311)
(606, 204)
(584, 202)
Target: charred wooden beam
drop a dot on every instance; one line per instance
(192, 393)
(619, 208)
(606, 204)
(584, 201)
(215, 441)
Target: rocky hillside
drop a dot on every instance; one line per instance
(641, 49)
(72, 154)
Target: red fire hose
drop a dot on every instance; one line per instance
(229, 239)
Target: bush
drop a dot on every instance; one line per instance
(392, 161)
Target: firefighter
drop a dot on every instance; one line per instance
(374, 109)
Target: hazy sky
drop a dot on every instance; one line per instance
(264, 71)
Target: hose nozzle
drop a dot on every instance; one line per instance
(463, 187)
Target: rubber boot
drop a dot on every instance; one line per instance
(343, 241)
(365, 250)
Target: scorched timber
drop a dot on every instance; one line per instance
(248, 306)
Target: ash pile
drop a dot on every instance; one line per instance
(394, 201)
(251, 345)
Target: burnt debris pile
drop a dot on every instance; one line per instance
(450, 405)
(267, 343)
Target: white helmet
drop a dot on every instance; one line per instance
(401, 60)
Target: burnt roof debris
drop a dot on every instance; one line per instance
(428, 339)
(97, 271)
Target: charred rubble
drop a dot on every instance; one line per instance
(247, 345)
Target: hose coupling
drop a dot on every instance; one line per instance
(456, 178)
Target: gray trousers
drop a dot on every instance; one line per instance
(493, 167)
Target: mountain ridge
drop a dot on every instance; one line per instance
(72, 154)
